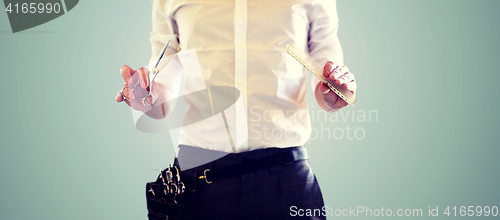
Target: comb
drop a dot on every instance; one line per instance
(317, 70)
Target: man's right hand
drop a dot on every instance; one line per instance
(133, 95)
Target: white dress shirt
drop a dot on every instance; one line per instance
(242, 44)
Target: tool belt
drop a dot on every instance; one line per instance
(171, 195)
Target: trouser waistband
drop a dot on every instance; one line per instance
(221, 165)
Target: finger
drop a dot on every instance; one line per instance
(327, 69)
(336, 74)
(148, 101)
(344, 69)
(337, 82)
(323, 88)
(352, 86)
(346, 77)
(347, 81)
(126, 73)
(330, 99)
(119, 97)
(344, 85)
(334, 101)
(143, 77)
(127, 92)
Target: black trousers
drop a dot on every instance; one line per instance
(264, 194)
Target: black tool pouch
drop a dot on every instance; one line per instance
(171, 195)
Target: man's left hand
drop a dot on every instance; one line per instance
(339, 75)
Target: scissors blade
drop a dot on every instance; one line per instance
(161, 54)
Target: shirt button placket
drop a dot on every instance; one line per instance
(240, 76)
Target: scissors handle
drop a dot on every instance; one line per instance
(145, 100)
(128, 87)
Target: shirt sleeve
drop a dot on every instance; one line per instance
(169, 79)
(164, 29)
(324, 44)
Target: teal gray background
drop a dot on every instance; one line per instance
(430, 69)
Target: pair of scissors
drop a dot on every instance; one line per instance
(154, 71)
(149, 100)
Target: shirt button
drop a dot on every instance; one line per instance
(241, 2)
(241, 127)
(240, 82)
(240, 42)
